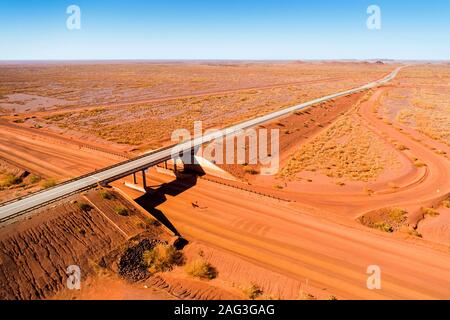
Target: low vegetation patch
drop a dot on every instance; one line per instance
(387, 220)
(48, 183)
(306, 296)
(429, 212)
(9, 180)
(428, 113)
(414, 232)
(347, 150)
(121, 210)
(105, 194)
(83, 206)
(162, 258)
(201, 269)
(419, 164)
(253, 291)
(383, 226)
(35, 179)
(446, 203)
(152, 222)
(401, 147)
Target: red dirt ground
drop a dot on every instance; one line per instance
(308, 242)
(35, 253)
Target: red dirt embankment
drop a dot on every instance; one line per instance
(294, 130)
(35, 253)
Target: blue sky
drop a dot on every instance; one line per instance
(231, 29)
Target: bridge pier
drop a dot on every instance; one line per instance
(134, 178)
(144, 181)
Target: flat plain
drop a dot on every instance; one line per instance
(364, 180)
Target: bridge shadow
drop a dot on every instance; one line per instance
(157, 196)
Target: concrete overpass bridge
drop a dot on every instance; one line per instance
(17, 207)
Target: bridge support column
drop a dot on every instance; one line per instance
(165, 165)
(134, 178)
(144, 181)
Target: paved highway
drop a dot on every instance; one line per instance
(19, 206)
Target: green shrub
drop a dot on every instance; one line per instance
(83, 206)
(105, 194)
(383, 226)
(419, 164)
(162, 258)
(397, 215)
(10, 180)
(34, 178)
(152, 222)
(253, 291)
(48, 183)
(201, 269)
(121, 210)
(429, 212)
(306, 296)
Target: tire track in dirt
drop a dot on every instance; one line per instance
(305, 247)
(438, 170)
(48, 159)
(189, 289)
(46, 136)
(420, 188)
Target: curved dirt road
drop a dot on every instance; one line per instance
(331, 256)
(424, 187)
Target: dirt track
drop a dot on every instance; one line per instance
(282, 238)
(50, 155)
(413, 191)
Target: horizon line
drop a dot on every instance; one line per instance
(222, 59)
